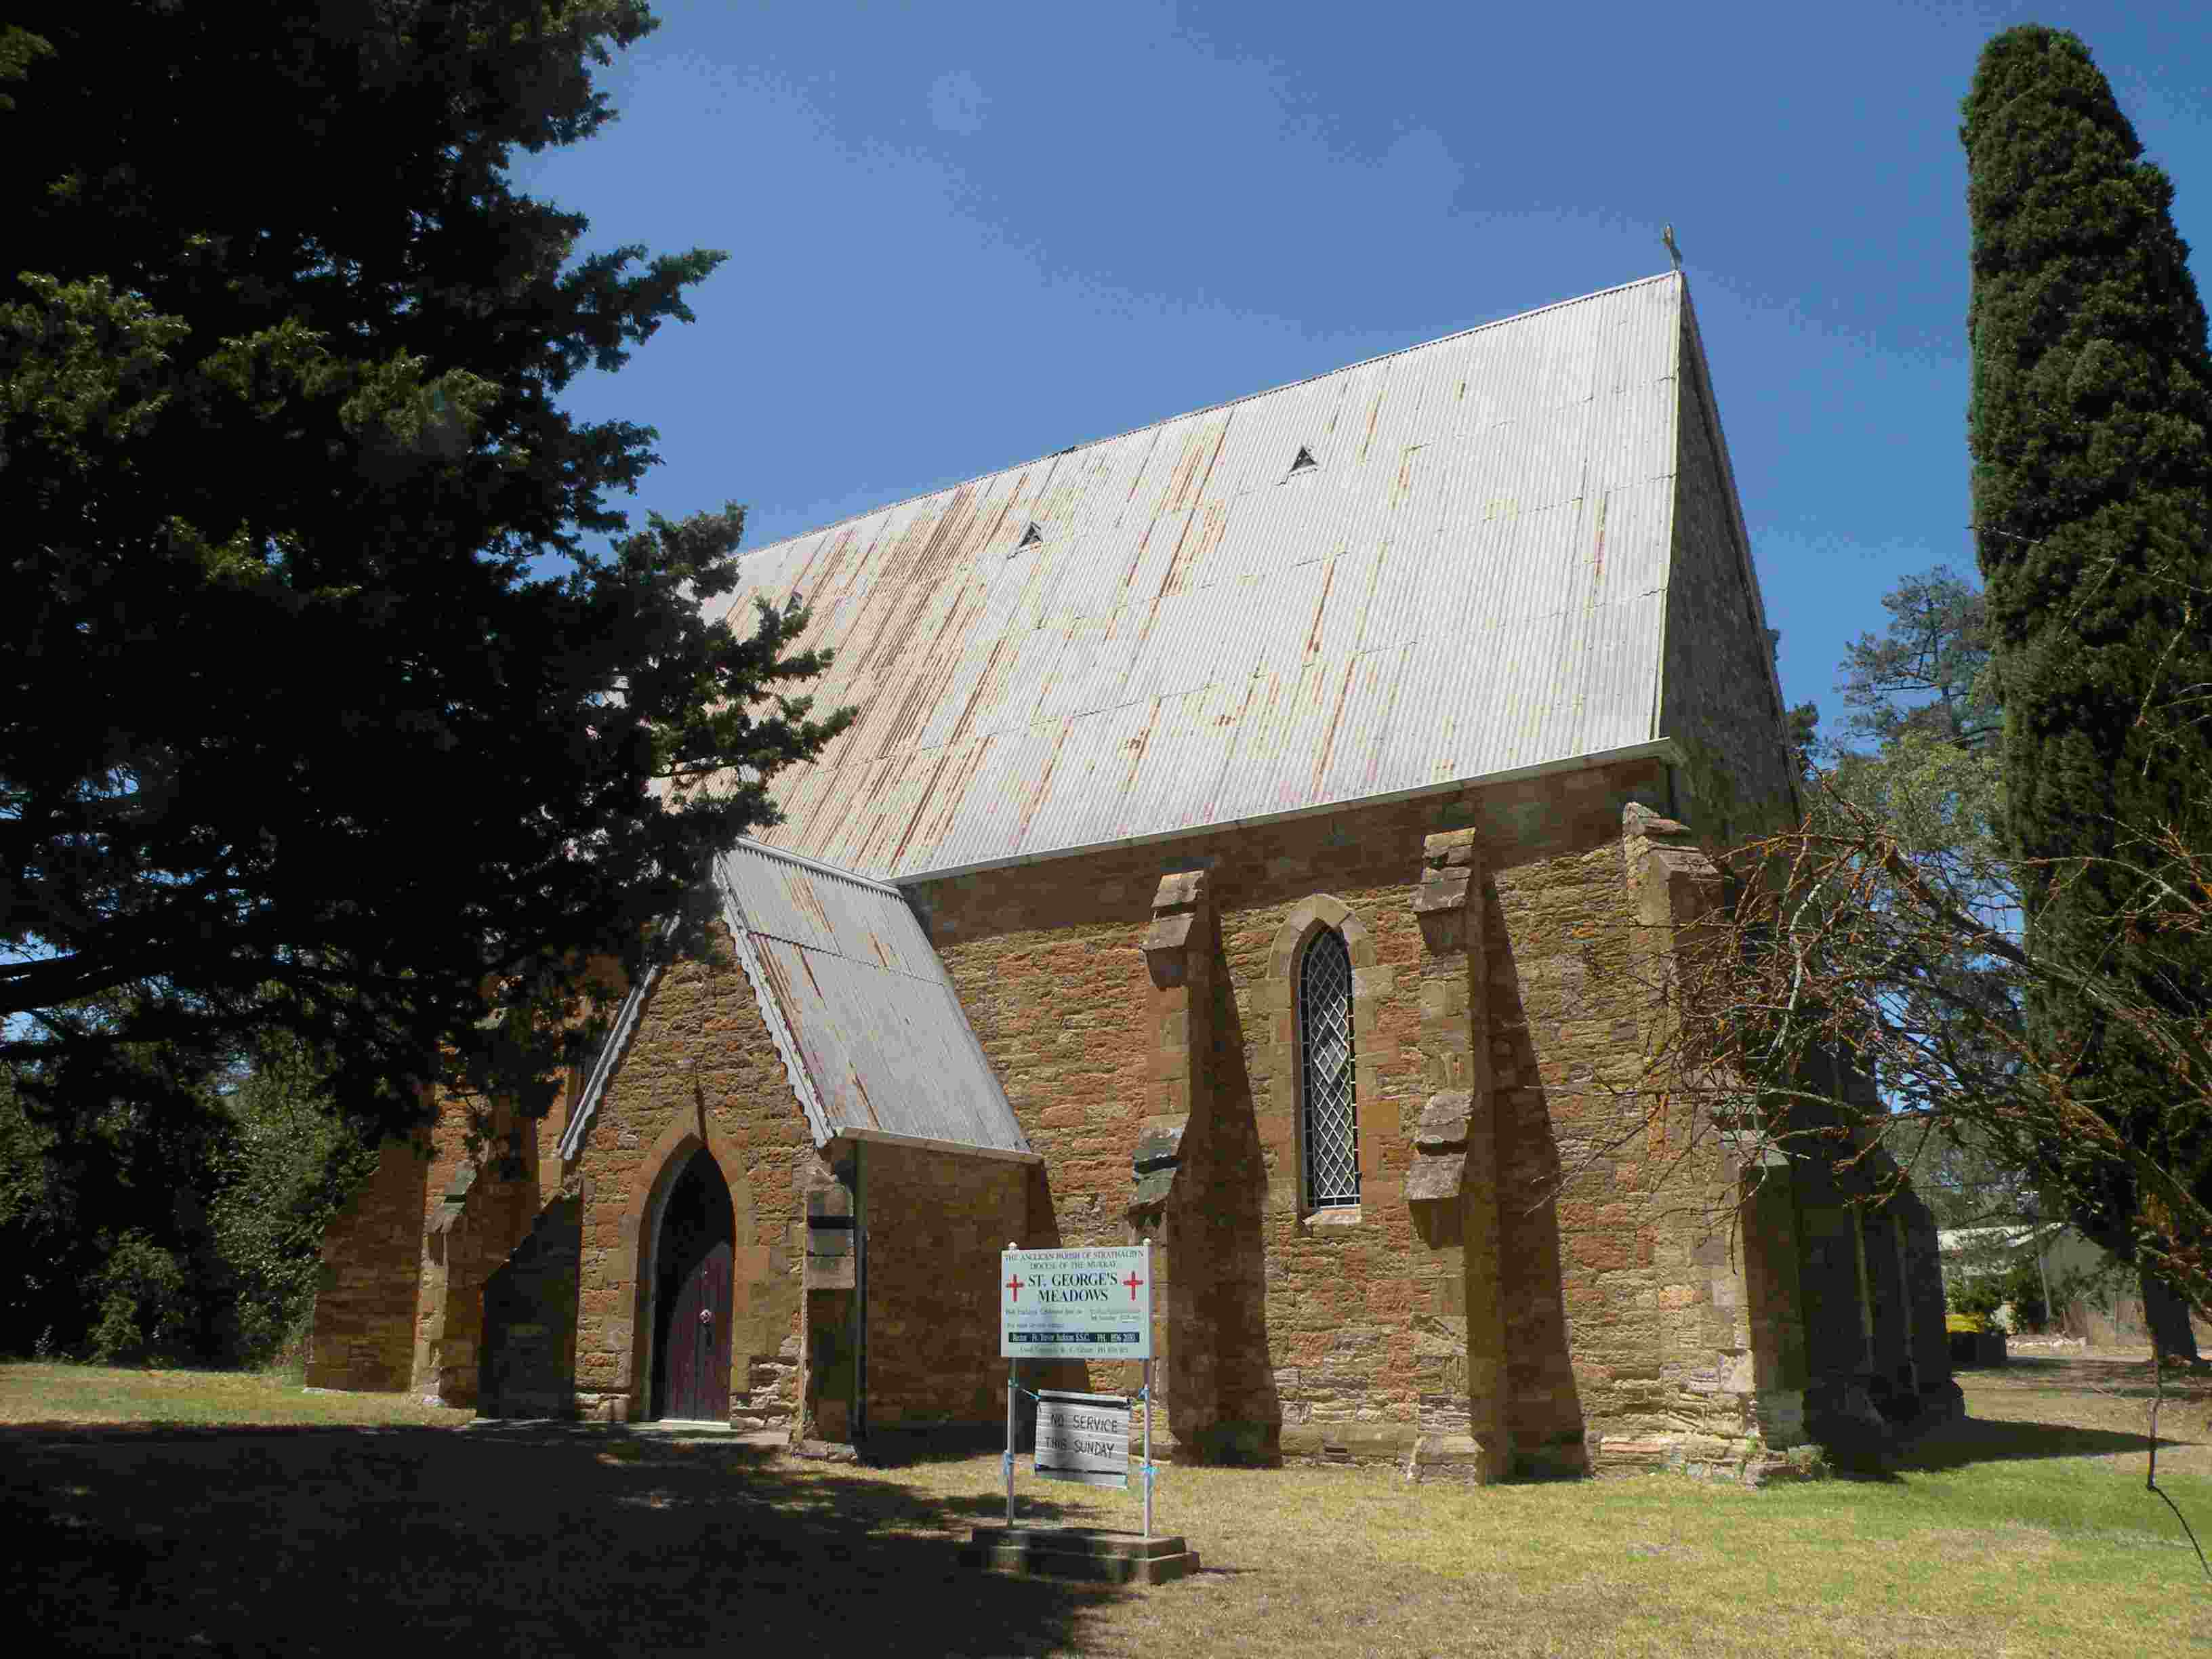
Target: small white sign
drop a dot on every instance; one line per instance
(1076, 1304)
(1083, 1436)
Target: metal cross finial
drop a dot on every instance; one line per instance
(1666, 236)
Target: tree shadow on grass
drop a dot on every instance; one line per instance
(909, 1448)
(2121, 1379)
(337, 1541)
(1983, 1440)
(1964, 1441)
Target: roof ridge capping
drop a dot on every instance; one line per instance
(1674, 276)
(782, 855)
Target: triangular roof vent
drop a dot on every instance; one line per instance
(1305, 462)
(1030, 538)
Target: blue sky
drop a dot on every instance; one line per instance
(962, 236)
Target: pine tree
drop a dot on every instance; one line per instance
(2092, 403)
(328, 707)
(1925, 672)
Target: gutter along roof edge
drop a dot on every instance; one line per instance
(929, 1144)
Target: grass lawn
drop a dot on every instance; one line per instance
(339, 1524)
(49, 1396)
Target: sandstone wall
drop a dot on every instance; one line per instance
(470, 1215)
(1333, 1333)
(473, 1267)
(405, 1261)
(1717, 700)
(1544, 1271)
(364, 1328)
(528, 1364)
(935, 1221)
(478, 1207)
(700, 1071)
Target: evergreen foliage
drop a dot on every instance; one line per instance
(2014, 1283)
(285, 1165)
(1929, 670)
(305, 731)
(2090, 435)
(182, 1220)
(102, 1211)
(1918, 753)
(1919, 748)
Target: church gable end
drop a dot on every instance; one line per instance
(1720, 701)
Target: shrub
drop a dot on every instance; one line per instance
(287, 1165)
(146, 1311)
(2019, 1286)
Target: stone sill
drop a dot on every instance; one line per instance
(1343, 1215)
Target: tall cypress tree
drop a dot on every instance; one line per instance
(2088, 426)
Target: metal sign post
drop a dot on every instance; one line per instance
(1093, 1304)
(1014, 1366)
(1087, 1304)
(1148, 1410)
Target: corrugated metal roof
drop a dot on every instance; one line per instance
(1471, 581)
(609, 1062)
(861, 1010)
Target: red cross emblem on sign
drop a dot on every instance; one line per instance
(1014, 1285)
(1133, 1282)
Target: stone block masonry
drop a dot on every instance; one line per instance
(1718, 700)
(364, 1329)
(1546, 1270)
(1452, 1187)
(405, 1263)
(702, 1072)
(1347, 1332)
(934, 1220)
(529, 1357)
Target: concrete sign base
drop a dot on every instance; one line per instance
(1111, 1558)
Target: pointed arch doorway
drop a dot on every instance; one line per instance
(692, 1297)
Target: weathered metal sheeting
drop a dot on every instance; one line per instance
(1178, 627)
(861, 1007)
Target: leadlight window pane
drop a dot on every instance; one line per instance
(1331, 1125)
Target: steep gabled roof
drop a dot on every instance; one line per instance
(862, 1012)
(865, 1014)
(1444, 564)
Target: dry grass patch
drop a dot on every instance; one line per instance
(2015, 1535)
(2103, 1393)
(58, 1396)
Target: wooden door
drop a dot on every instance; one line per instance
(693, 1347)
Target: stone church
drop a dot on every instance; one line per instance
(1256, 837)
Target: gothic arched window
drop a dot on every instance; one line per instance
(1331, 1125)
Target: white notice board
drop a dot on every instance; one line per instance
(1083, 1436)
(1076, 1304)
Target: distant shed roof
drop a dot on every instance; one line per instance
(1187, 625)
